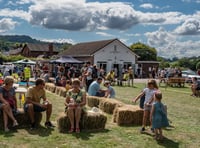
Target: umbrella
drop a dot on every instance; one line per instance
(25, 61)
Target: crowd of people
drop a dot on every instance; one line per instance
(78, 84)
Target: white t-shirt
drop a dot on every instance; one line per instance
(148, 94)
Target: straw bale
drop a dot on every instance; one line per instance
(128, 115)
(108, 105)
(22, 118)
(93, 121)
(89, 121)
(93, 101)
(62, 92)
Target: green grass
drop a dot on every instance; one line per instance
(183, 111)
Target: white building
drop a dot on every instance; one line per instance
(108, 54)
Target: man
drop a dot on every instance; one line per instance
(88, 75)
(195, 87)
(94, 88)
(34, 96)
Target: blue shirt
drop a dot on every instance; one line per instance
(94, 88)
(112, 92)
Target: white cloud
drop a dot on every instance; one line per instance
(169, 45)
(59, 40)
(7, 24)
(136, 34)
(15, 13)
(104, 34)
(90, 16)
(159, 38)
(189, 27)
(147, 6)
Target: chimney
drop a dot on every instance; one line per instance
(50, 48)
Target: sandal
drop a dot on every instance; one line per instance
(71, 130)
(77, 130)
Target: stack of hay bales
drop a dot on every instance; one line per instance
(93, 101)
(108, 105)
(22, 118)
(89, 121)
(128, 115)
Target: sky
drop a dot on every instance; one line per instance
(170, 26)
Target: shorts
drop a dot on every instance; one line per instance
(147, 107)
(36, 108)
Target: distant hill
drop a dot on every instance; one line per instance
(18, 39)
(9, 41)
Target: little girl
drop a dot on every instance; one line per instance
(152, 87)
(158, 116)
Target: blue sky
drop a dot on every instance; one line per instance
(171, 26)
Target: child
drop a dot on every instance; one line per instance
(158, 116)
(110, 92)
(149, 93)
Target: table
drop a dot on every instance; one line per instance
(22, 92)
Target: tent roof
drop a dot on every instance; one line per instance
(66, 59)
(25, 61)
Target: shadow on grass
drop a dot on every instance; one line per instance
(41, 131)
(85, 135)
(168, 143)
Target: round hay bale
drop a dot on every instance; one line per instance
(93, 101)
(108, 105)
(128, 115)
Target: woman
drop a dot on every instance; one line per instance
(75, 100)
(8, 101)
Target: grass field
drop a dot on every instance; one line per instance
(183, 111)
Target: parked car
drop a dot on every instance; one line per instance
(189, 74)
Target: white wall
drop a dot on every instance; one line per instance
(111, 56)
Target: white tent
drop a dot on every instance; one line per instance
(25, 61)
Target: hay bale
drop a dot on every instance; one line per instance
(93, 121)
(22, 118)
(93, 101)
(57, 90)
(63, 123)
(128, 115)
(108, 105)
(62, 92)
(52, 88)
(89, 121)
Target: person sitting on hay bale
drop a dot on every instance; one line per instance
(110, 92)
(95, 89)
(8, 102)
(32, 104)
(75, 101)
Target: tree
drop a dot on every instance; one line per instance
(198, 65)
(145, 52)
